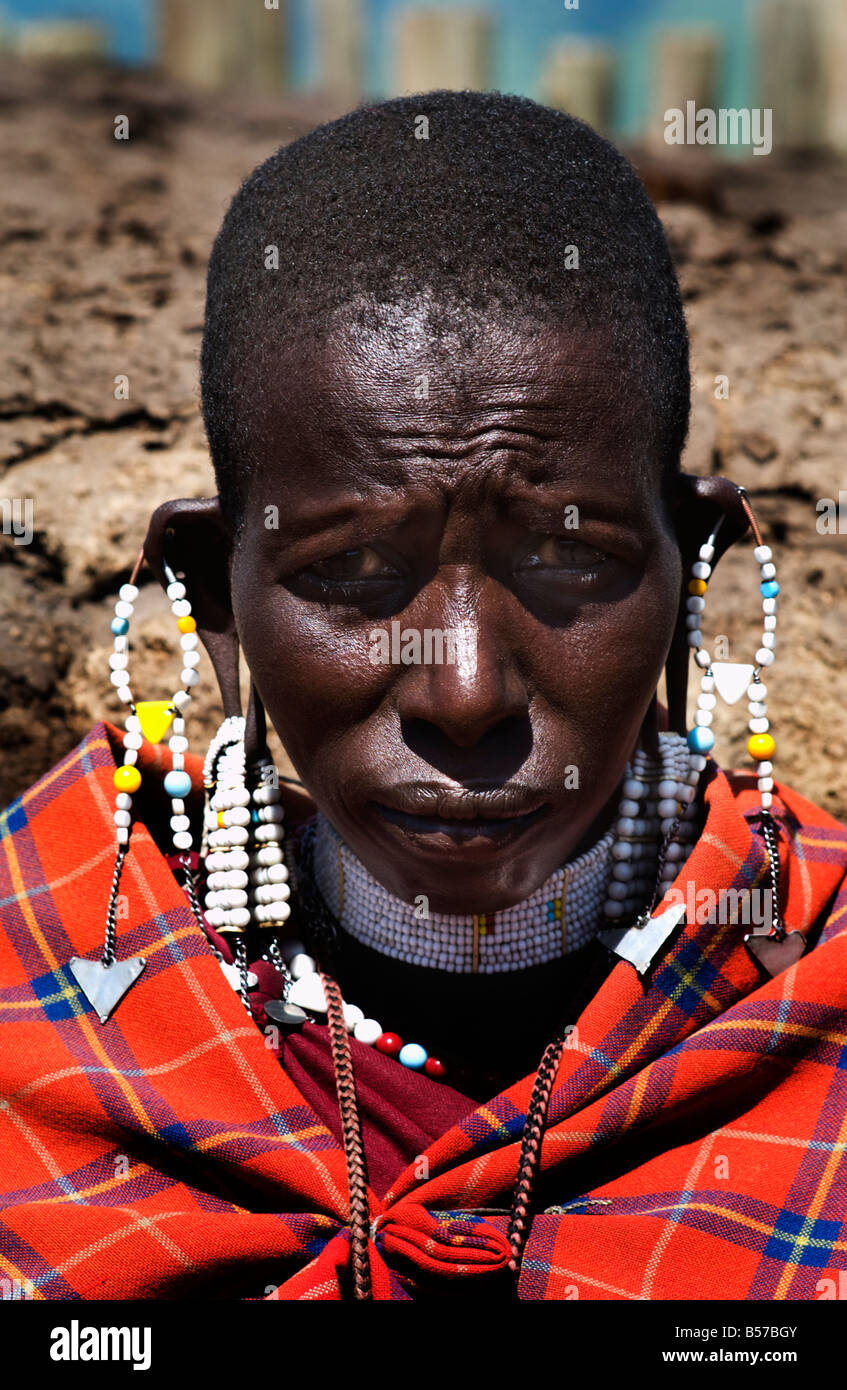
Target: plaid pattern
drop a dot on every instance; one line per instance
(695, 1145)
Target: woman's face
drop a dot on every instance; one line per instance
(508, 507)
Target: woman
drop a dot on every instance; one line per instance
(516, 1028)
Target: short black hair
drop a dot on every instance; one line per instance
(483, 213)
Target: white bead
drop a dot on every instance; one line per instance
(352, 1015)
(758, 726)
(128, 592)
(765, 784)
(701, 570)
(633, 788)
(695, 637)
(695, 604)
(764, 657)
(181, 699)
(692, 621)
(707, 684)
(769, 624)
(268, 832)
(762, 554)
(238, 815)
(757, 709)
(175, 590)
(308, 993)
(178, 725)
(301, 965)
(707, 552)
(698, 762)
(367, 1031)
(123, 801)
(132, 724)
(181, 608)
(123, 610)
(125, 694)
(667, 787)
(121, 643)
(118, 678)
(628, 807)
(768, 606)
(625, 826)
(178, 744)
(703, 658)
(182, 840)
(757, 691)
(621, 850)
(667, 807)
(707, 701)
(131, 757)
(767, 799)
(118, 661)
(123, 835)
(278, 911)
(190, 659)
(188, 641)
(180, 823)
(123, 818)
(269, 854)
(271, 814)
(765, 769)
(613, 909)
(238, 917)
(178, 762)
(277, 873)
(704, 718)
(132, 740)
(768, 571)
(189, 676)
(768, 640)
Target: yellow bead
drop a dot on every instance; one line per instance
(697, 586)
(186, 624)
(155, 718)
(221, 820)
(761, 747)
(127, 779)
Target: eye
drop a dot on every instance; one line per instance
(352, 565)
(558, 552)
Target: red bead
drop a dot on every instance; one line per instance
(389, 1043)
(434, 1068)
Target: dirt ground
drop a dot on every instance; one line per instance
(103, 246)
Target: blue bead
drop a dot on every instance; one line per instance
(412, 1055)
(177, 784)
(770, 588)
(120, 627)
(700, 739)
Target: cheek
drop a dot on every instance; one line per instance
(316, 681)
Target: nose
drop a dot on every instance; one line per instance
(476, 688)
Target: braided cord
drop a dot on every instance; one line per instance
(112, 910)
(357, 1180)
(769, 836)
(531, 1144)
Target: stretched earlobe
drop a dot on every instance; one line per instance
(195, 538)
(699, 505)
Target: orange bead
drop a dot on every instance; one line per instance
(186, 624)
(697, 586)
(761, 747)
(127, 778)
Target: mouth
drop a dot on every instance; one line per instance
(461, 816)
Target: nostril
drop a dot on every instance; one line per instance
(495, 752)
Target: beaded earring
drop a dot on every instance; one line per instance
(104, 982)
(247, 879)
(731, 680)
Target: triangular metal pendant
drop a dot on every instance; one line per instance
(104, 986)
(641, 943)
(773, 954)
(731, 679)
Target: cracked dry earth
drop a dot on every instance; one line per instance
(103, 245)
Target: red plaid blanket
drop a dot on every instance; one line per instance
(695, 1142)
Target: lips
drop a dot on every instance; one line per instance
(461, 814)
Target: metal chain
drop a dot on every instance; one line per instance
(769, 835)
(112, 910)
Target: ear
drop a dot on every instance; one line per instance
(698, 507)
(195, 539)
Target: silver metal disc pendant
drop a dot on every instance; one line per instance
(641, 943)
(104, 986)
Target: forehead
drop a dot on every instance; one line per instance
(489, 404)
